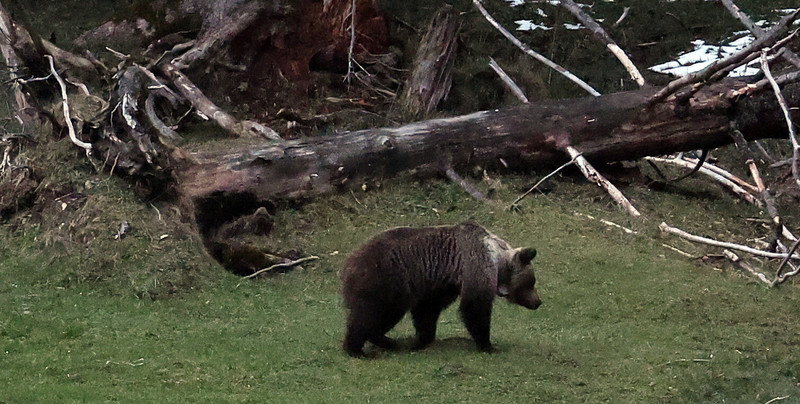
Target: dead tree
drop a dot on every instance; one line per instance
(432, 75)
(613, 127)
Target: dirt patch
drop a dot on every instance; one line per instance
(17, 191)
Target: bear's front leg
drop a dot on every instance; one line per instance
(426, 315)
(476, 312)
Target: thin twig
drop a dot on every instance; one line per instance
(786, 114)
(157, 211)
(532, 53)
(65, 106)
(521, 197)
(352, 41)
(686, 360)
(777, 399)
(779, 278)
(608, 223)
(281, 265)
(681, 252)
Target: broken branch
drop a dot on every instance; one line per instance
(601, 34)
(747, 267)
(281, 265)
(786, 114)
(757, 31)
(592, 175)
(207, 107)
(508, 81)
(754, 47)
(733, 183)
(453, 176)
(65, 107)
(723, 244)
(525, 48)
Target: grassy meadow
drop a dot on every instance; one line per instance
(624, 319)
(150, 318)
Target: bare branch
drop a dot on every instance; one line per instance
(757, 31)
(508, 81)
(601, 34)
(786, 114)
(723, 244)
(212, 111)
(65, 107)
(769, 201)
(756, 46)
(453, 176)
(532, 53)
(592, 175)
(735, 184)
(68, 58)
(281, 265)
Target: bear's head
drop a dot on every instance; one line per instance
(516, 280)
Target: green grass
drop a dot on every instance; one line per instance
(623, 320)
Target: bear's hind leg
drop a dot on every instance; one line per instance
(368, 322)
(387, 319)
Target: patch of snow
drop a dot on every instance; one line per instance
(705, 55)
(528, 25)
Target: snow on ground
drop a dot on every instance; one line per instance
(705, 55)
(702, 56)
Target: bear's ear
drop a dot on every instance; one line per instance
(525, 255)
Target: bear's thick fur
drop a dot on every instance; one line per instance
(424, 270)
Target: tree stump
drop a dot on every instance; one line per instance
(433, 72)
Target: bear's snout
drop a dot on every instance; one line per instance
(531, 301)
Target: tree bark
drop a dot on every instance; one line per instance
(433, 66)
(613, 127)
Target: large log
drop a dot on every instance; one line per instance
(613, 127)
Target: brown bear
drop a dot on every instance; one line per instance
(424, 270)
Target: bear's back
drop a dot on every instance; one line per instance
(419, 259)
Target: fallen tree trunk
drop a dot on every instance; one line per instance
(613, 127)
